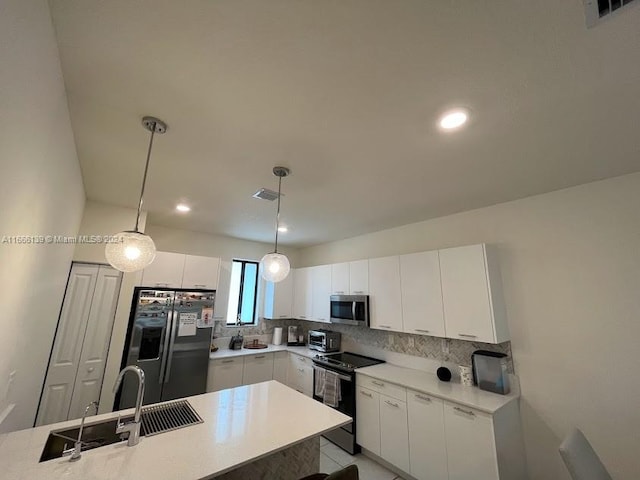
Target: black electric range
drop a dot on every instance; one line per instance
(343, 365)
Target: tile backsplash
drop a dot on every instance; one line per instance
(459, 351)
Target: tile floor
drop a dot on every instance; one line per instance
(333, 458)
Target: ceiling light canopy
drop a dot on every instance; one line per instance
(275, 266)
(181, 207)
(132, 250)
(454, 119)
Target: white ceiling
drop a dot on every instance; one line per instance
(346, 93)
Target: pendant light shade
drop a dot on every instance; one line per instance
(132, 250)
(275, 266)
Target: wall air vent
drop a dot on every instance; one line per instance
(598, 9)
(266, 194)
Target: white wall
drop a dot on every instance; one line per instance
(41, 193)
(570, 264)
(196, 243)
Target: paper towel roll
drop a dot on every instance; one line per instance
(277, 336)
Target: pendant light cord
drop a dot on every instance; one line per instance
(144, 178)
(278, 213)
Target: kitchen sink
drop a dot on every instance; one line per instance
(156, 419)
(94, 435)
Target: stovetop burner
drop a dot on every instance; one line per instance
(346, 361)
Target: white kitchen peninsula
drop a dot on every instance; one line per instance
(246, 431)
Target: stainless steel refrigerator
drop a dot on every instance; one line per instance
(169, 338)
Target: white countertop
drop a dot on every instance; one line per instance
(226, 353)
(430, 384)
(240, 425)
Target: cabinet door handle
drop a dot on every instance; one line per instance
(422, 397)
(283, 316)
(366, 394)
(359, 292)
(339, 292)
(301, 370)
(302, 316)
(462, 410)
(161, 284)
(228, 361)
(385, 326)
(392, 404)
(380, 384)
(199, 285)
(466, 335)
(421, 330)
(259, 357)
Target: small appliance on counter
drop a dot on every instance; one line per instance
(236, 342)
(490, 371)
(294, 338)
(324, 340)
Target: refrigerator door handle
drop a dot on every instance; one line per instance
(174, 324)
(165, 346)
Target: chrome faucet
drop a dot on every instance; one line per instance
(76, 451)
(132, 427)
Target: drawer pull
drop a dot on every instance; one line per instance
(462, 410)
(385, 326)
(466, 335)
(380, 384)
(259, 356)
(392, 404)
(366, 394)
(301, 370)
(228, 361)
(422, 397)
(421, 330)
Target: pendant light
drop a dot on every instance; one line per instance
(133, 250)
(275, 266)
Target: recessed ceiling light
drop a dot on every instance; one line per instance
(283, 229)
(454, 119)
(181, 207)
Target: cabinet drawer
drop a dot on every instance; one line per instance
(299, 360)
(386, 388)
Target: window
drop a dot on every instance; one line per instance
(243, 293)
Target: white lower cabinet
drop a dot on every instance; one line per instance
(431, 438)
(368, 424)
(471, 448)
(225, 373)
(394, 432)
(257, 368)
(300, 374)
(427, 451)
(280, 365)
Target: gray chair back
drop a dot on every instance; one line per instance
(580, 458)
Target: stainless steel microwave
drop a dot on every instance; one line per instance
(350, 309)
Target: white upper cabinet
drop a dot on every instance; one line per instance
(321, 287)
(472, 295)
(200, 272)
(422, 311)
(221, 304)
(165, 271)
(302, 294)
(340, 278)
(385, 299)
(359, 277)
(278, 298)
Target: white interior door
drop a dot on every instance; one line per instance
(76, 368)
(67, 346)
(93, 358)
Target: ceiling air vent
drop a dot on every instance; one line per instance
(597, 9)
(266, 194)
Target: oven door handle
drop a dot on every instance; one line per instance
(341, 377)
(353, 311)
